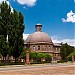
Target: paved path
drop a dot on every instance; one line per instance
(41, 69)
(28, 67)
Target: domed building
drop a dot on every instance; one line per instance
(41, 42)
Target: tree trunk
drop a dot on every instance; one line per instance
(7, 59)
(16, 60)
(3, 59)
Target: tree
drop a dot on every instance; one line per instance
(16, 41)
(4, 18)
(12, 24)
(3, 47)
(48, 57)
(69, 57)
(65, 51)
(23, 54)
(41, 55)
(38, 56)
(4, 27)
(33, 55)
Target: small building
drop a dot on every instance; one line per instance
(41, 42)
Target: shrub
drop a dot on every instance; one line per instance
(70, 56)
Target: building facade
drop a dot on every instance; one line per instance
(40, 41)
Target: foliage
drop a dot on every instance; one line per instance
(61, 61)
(12, 24)
(69, 57)
(37, 56)
(16, 34)
(12, 63)
(3, 46)
(23, 54)
(4, 18)
(48, 58)
(66, 50)
(33, 55)
(41, 55)
(4, 26)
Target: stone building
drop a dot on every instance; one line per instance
(41, 42)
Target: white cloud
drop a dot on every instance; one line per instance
(70, 17)
(56, 39)
(25, 36)
(27, 2)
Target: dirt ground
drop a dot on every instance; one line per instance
(67, 70)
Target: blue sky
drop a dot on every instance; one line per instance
(56, 16)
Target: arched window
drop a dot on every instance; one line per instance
(45, 47)
(38, 47)
(49, 47)
(34, 48)
(56, 49)
(59, 49)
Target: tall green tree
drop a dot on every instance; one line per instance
(4, 18)
(16, 34)
(5, 11)
(70, 56)
(12, 24)
(3, 47)
(66, 50)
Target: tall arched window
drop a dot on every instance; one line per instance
(34, 48)
(49, 47)
(45, 47)
(38, 47)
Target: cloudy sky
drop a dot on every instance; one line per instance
(56, 16)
